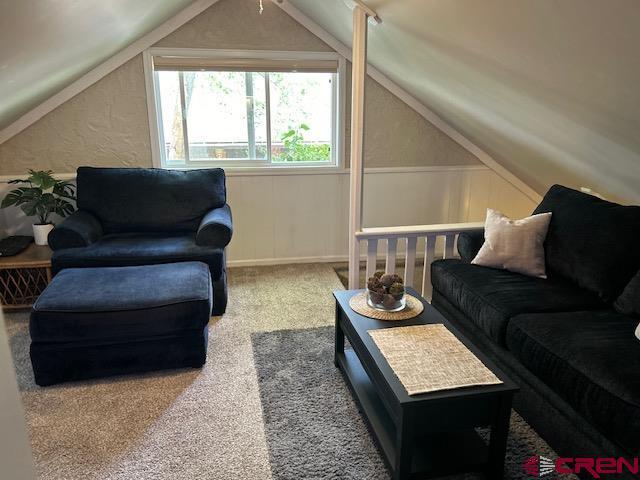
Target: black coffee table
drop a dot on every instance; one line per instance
(424, 435)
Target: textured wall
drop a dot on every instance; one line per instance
(397, 136)
(104, 125)
(107, 124)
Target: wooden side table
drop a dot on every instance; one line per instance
(23, 277)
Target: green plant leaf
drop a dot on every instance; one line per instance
(43, 196)
(17, 180)
(42, 179)
(10, 199)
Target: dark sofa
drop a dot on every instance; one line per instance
(575, 357)
(143, 216)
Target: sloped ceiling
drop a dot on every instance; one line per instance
(549, 88)
(47, 44)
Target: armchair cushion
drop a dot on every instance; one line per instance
(216, 228)
(129, 249)
(80, 229)
(150, 199)
(469, 244)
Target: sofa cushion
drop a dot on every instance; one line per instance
(490, 297)
(149, 199)
(628, 302)
(592, 360)
(469, 244)
(591, 241)
(127, 249)
(123, 302)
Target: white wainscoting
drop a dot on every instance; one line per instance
(303, 217)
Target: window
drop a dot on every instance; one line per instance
(246, 109)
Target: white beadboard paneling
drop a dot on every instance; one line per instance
(253, 209)
(303, 217)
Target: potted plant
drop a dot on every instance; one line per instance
(41, 196)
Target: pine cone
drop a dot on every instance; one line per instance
(388, 301)
(397, 290)
(386, 280)
(375, 297)
(374, 284)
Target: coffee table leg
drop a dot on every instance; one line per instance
(339, 344)
(499, 434)
(404, 448)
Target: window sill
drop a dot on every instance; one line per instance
(275, 170)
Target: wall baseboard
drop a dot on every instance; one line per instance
(263, 262)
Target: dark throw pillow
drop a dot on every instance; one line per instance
(629, 302)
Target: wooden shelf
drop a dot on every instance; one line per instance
(24, 276)
(433, 454)
(370, 403)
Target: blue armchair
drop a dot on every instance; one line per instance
(143, 216)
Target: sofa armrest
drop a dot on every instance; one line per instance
(79, 229)
(469, 244)
(216, 228)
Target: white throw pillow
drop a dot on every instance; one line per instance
(515, 245)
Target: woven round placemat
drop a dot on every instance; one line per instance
(359, 304)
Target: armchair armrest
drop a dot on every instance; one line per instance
(216, 228)
(79, 229)
(469, 244)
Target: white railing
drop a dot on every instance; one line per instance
(411, 235)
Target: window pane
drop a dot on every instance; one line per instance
(301, 123)
(225, 115)
(173, 141)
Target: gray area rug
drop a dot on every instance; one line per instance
(312, 425)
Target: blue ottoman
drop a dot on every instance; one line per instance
(94, 322)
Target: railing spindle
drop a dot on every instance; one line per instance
(449, 241)
(372, 255)
(429, 256)
(410, 262)
(390, 266)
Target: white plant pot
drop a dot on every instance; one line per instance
(41, 233)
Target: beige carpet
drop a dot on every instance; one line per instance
(186, 424)
(265, 406)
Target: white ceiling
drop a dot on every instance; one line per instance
(550, 88)
(46, 44)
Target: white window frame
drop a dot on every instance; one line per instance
(338, 123)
